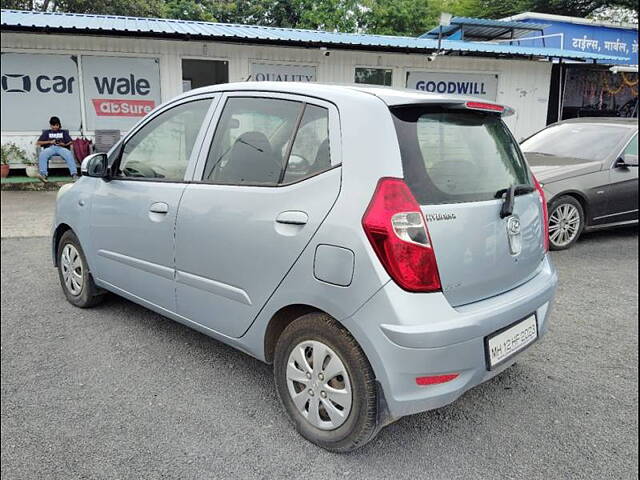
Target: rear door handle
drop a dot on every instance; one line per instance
(159, 207)
(293, 217)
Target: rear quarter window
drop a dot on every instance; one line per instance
(453, 156)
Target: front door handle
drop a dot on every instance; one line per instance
(159, 207)
(293, 217)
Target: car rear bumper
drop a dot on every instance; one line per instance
(409, 335)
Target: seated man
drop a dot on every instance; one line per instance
(55, 141)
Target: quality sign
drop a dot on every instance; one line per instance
(268, 72)
(454, 83)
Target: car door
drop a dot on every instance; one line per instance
(623, 190)
(266, 183)
(133, 214)
(597, 188)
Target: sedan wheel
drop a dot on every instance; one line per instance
(565, 223)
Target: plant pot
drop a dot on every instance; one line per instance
(4, 171)
(32, 171)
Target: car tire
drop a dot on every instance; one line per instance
(566, 222)
(73, 271)
(352, 423)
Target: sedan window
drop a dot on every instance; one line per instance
(577, 140)
(632, 148)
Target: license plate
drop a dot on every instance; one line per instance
(505, 343)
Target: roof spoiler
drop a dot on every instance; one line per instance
(409, 97)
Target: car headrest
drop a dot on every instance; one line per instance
(251, 160)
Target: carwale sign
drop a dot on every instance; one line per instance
(119, 91)
(36, 87)
(455, 83)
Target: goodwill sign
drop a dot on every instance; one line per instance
(454, 83)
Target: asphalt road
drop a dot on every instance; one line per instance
(120, 392)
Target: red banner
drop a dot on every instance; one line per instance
(106, 107)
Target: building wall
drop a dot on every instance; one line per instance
(522, 84)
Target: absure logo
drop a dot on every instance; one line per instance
(107, 107)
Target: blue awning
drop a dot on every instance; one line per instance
(484, 29)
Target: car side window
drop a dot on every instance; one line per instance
(311, 153)
(252, 141)
(161, 148)
(632, 147)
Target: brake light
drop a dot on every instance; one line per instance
(398, 233)
(545, 212)
(492, 107)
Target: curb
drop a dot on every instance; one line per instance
(32, 186)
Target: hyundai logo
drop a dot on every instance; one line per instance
(513, 226)
(513, 234)
(16, 83)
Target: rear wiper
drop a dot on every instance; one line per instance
(509, 195)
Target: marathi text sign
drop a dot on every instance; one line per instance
(37, 87)
(270, 72)
(617, 47)
(118, 91)
(454, 83)
(615, 41)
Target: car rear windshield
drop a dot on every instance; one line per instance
(577, 140)
(453, 156)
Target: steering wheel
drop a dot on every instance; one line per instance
(140, 170)
(298, 165)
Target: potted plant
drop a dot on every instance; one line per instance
(10, 151)
(32, 165)
(4, 170)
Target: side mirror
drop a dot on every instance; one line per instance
(627, 160)
(96, 165)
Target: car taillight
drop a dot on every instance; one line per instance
(398, 233)
(545, 213)
(491, 107)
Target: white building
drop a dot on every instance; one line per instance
(100, 72)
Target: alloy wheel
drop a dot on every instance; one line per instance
(319, 385)
(564, 225)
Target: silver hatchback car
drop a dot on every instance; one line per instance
(385, 250)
